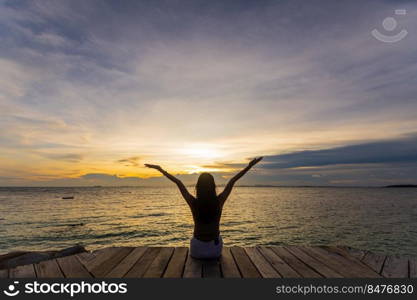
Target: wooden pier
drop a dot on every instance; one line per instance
(235, 262)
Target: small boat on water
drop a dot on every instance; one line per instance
(68, 197)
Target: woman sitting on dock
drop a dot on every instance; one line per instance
(206, 209)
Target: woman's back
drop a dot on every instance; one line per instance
(206, 215)
(206, 208)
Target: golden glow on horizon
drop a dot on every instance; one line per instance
(198, 169)
(201, 151)
(124, 156)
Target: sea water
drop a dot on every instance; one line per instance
(378, 219)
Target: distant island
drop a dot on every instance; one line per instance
(402, 186)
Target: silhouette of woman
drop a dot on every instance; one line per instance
(206, 209)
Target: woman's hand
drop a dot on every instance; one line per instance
(229, 186)
(156, 167)
(255, 161)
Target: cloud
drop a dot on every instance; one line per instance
(108, 78)
(9, 178)
(382, 152)
(130, 161)
(93, 179)
(224, 165)
(68, 157)
(102, 176)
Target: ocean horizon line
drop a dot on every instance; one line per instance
(221, 185)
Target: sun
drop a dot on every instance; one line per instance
(203, 151)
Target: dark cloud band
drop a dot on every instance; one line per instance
(392, 151)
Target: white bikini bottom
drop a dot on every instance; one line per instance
(205, 250)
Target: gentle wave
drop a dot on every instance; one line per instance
(377, 219)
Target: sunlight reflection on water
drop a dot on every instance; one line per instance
(378, 219)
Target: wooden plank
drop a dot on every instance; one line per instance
(228, 265)
(260, 262)
(48, 269)
(413, 268)
(94, 259)
(357, 253)
(91, 255)
(395, 267)
(375, 261)
(353, 262)
(85, 257)
(278, 264)
(211, 269)
(140, 267)
(158, 266)
(99, 271)
(345, 267)
(127, 263)
(341, 252)
(176, 265)
(301, 268)
(355, 266)
(4, 273)
(72, 267)
(345, 254)
(245, 265)
(315, 264)
(26, 271)
(193, 268)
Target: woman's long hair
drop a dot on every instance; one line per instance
(207, 203)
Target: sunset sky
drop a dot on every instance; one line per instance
(91, 90)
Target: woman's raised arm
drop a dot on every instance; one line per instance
(184, 192)
(229, 186)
